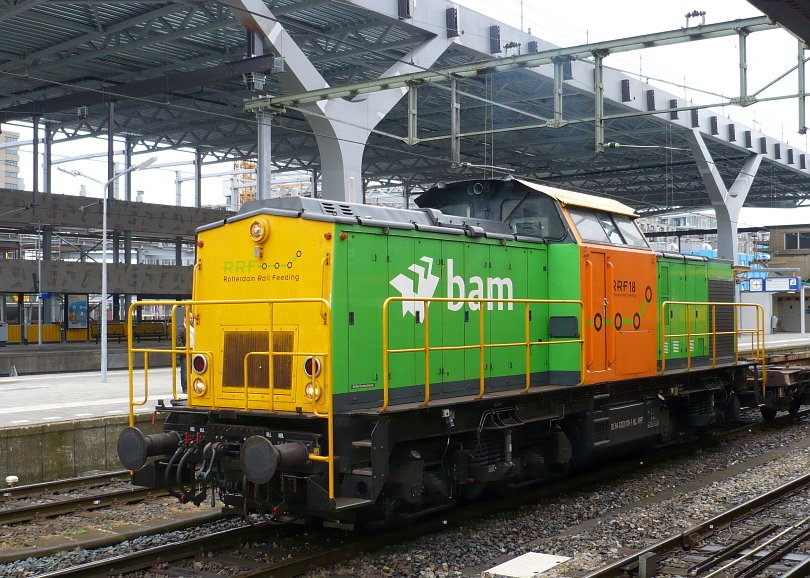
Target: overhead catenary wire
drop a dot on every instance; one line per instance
(371, 145)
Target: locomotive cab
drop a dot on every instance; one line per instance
(617, 268)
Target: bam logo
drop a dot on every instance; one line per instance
(425, 287)
(426, 284)
(496, 288)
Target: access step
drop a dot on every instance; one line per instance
(349, 503)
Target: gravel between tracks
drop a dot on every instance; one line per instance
(593, 527)
(599, 526)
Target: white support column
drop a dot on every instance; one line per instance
(599, 103)
(802, 301)
(128, 146)
(341, 127)
(727, 203)
(742, 36)
(455, 125)
(412, 115)
(199, 155)
(802, 91)
(558, 93)
(178, 184)
(47, 167)
(265, 160)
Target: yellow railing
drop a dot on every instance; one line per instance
(481, 346)
(757, 334)
(326, 364)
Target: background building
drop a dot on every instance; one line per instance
(9, 161)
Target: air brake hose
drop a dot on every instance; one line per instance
(186, 496)
(189, 495)
(204, 473)
(166, 482)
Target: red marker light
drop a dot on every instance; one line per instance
(200, 244)
(327, 236)
(199, 363)
(343, 236)
(312, 367)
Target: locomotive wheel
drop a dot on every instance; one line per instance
(768, 413)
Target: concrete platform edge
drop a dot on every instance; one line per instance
(52, 451)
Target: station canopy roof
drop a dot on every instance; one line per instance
(793, 15)
(52, 49)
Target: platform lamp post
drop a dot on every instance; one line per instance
(105, 189)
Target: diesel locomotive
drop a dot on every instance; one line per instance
(354, 362)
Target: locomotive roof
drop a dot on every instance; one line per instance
(496, 188)
(581, 199)
(431, 220)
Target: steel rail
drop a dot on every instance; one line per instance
(146, 558)
(64, 484)
(693, 535)
(305, 563)
(293, 567)
(67, 505)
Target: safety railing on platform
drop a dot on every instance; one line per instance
(757, 333)
(325, 315)
(481, 346)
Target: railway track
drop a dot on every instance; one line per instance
(716, 547)
(69, 495)
(281, 561)
(66, 484)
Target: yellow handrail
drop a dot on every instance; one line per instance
(611, 342)
(757, 334)
(589, 297)
(482, 346)
(326, 391)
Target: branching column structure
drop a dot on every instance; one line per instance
(341, 127)
(727, 203)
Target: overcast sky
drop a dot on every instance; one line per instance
(688, 69)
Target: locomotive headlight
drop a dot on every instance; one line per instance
(198, 386)
(312, 391)
(259, 229)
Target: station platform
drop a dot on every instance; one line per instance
(63, 382)
(68, 357)
(778, 342)
(49, 398)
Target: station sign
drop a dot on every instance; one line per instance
(775, 284)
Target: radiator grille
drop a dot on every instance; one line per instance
(722, 290)
(240, 343)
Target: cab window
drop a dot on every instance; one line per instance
(629, 231)
(533, 216)
(457, 209)
(602, 227)
(588, 226)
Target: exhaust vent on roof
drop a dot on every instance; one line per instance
(337, 209)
